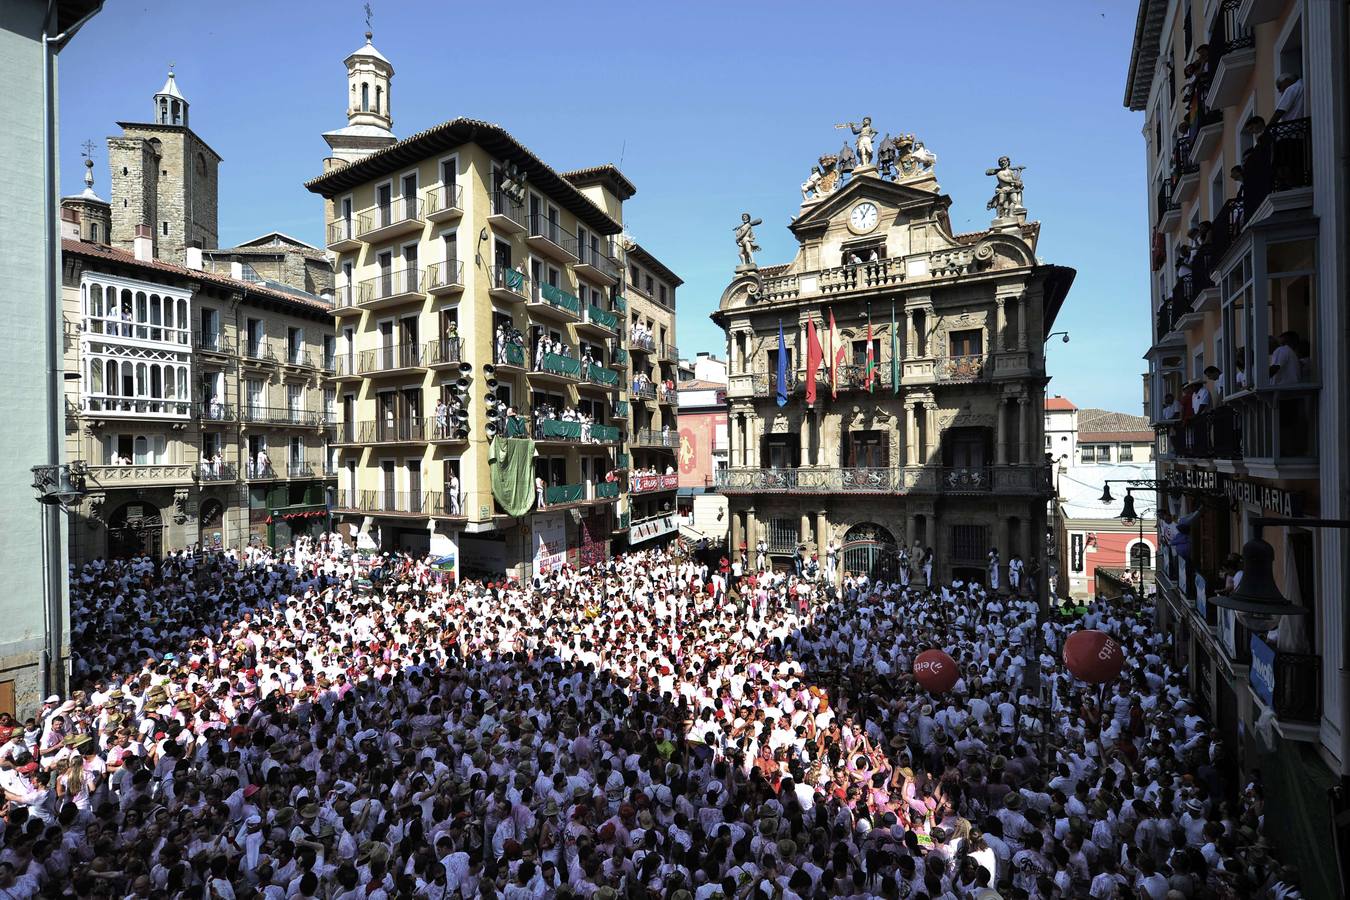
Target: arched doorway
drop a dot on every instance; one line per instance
(870, 550)
(135, 529)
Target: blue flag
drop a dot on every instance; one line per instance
(782, 368)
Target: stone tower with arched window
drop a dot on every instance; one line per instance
(165, 176)
(369, 118)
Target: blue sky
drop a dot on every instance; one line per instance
(711, 107)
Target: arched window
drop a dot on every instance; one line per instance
(142, 311)
(177, 113)
(182, 382)
(163, 115)
(142, 380)
(95, 377)
(168, 312)
(96, 305)
(379, 95)
(156, 383)
(365, 97)
(128, 381)
(1141, 555)
(110, 368)
(155, 318)
(182, 322)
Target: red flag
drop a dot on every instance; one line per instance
(836, 355)
(813, 358)
(871, 360)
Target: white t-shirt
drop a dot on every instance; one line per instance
(1287, 360)
(1291, 101)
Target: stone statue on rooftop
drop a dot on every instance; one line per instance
(865, 133)
(745, 240)
(811, 186)
(1007, 199)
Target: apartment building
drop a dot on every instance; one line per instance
(926, 425)
(200, 414)
(1245, 137)
(480, 300)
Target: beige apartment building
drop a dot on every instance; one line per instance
(481, 298)
(942, 445)
(198, 412)
(1245, 141)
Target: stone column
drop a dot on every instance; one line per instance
(1024, 430)
(911, 435)
(912, 333)
(804, 533)
(822, 535)
(751, 535)
(929, 429)
(735, 532)
(1000, 325)
(1022, 322)
(1001, 432)
(754, 424)
(805, 426)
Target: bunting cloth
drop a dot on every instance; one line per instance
(782, 367)
(512, 464)
(870, 372)
(836, 355)
(895, 353)
(813, 357)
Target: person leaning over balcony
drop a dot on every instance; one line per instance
(1171, 409)
(1215, 374)
(1284, 362)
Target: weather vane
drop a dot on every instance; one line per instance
(88, 149)
(370, 15)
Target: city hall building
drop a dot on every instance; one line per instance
(941, 444)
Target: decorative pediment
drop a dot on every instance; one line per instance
(1003, 250)
(891, 197)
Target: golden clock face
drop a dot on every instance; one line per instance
(864, 218)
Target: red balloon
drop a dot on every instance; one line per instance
(1093, 656)
(936, 671)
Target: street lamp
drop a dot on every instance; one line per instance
(1257, 599)
(1128, 516)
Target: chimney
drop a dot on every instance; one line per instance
(236, 270)
(194, 258)
(144, 243)
(70, 224)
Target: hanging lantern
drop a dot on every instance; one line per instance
(936, 671)
(1093, 656)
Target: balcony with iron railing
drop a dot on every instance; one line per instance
(444, 203)
(445, 277)
(396, 358)
(571, 432)
(643, 390)
(344, 299)
(342, 235)
(509, 284)
(1281, 161)
(257, 414)
(668, 396)
(384, 221)
(345, 366)
(392, 503)
(408, 430)
(595, 262)
(214, 343)
(600, 376)
(1232, 55)
(259, 352)
(547, 237)
(508, 213)
(447, 351)
(214, 411)
(389, 288)
(556, 366)
(1030, 479)
(297, 357)
(658, 440)
(1185, 170)
(668, 353)
(510, 354)
(618, 356)
(1289, 683)
(1168, 209)
(212, 471)
(553, 302)
(597, 319)
(299, 469)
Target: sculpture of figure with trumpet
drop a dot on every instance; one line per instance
(865, 133)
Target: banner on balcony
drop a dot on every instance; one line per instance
(652, 528)
(512, 463)
(550, 542)
(1261, 675)
(1076, 552)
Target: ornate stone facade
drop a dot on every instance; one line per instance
(941, 442)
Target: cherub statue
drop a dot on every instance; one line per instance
(1007, 197)
(811, 189)
(745, 239)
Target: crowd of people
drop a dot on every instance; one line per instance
(315, 723)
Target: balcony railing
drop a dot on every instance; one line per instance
(643, 390)
(329, 362)
(505, 278)
(213, 471)
(607, 490)
(214, 411)
(345, 365)
(1182, 164)
(670, 396)
(962, 367)
(647, 437)
(445, 274)
(299, 470)
(1228, 33)
(390, 284)
(668, 353)
(618, 356)
(392, 358)
(445, 351)
(397, 431)
(1165, 202)
(563, 366)
(603, 318)
(395, 212)
(503, 204)
(572, 432)
(1290, 682)
(892, 480)
(344, 296)
(296, 356)
(511, 354)
(1280, 161)
(597, 374)
(414, 503)
(214, 343)
(543, 227)
(561, 494)
(597, 258)
(106, 404)
(340, 230)
(139, 473)
(650, 484)
(855, 276)
(279, 415)
(557, 297)
(444, 199)
(259, 351)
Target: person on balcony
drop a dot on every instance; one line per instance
(452, 490)
(263, 464)
(1290, 104)
(442, 418)
(1284, 362)
(1215, 374)
(1015, 573)
(539, 491)
(1171, 409)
